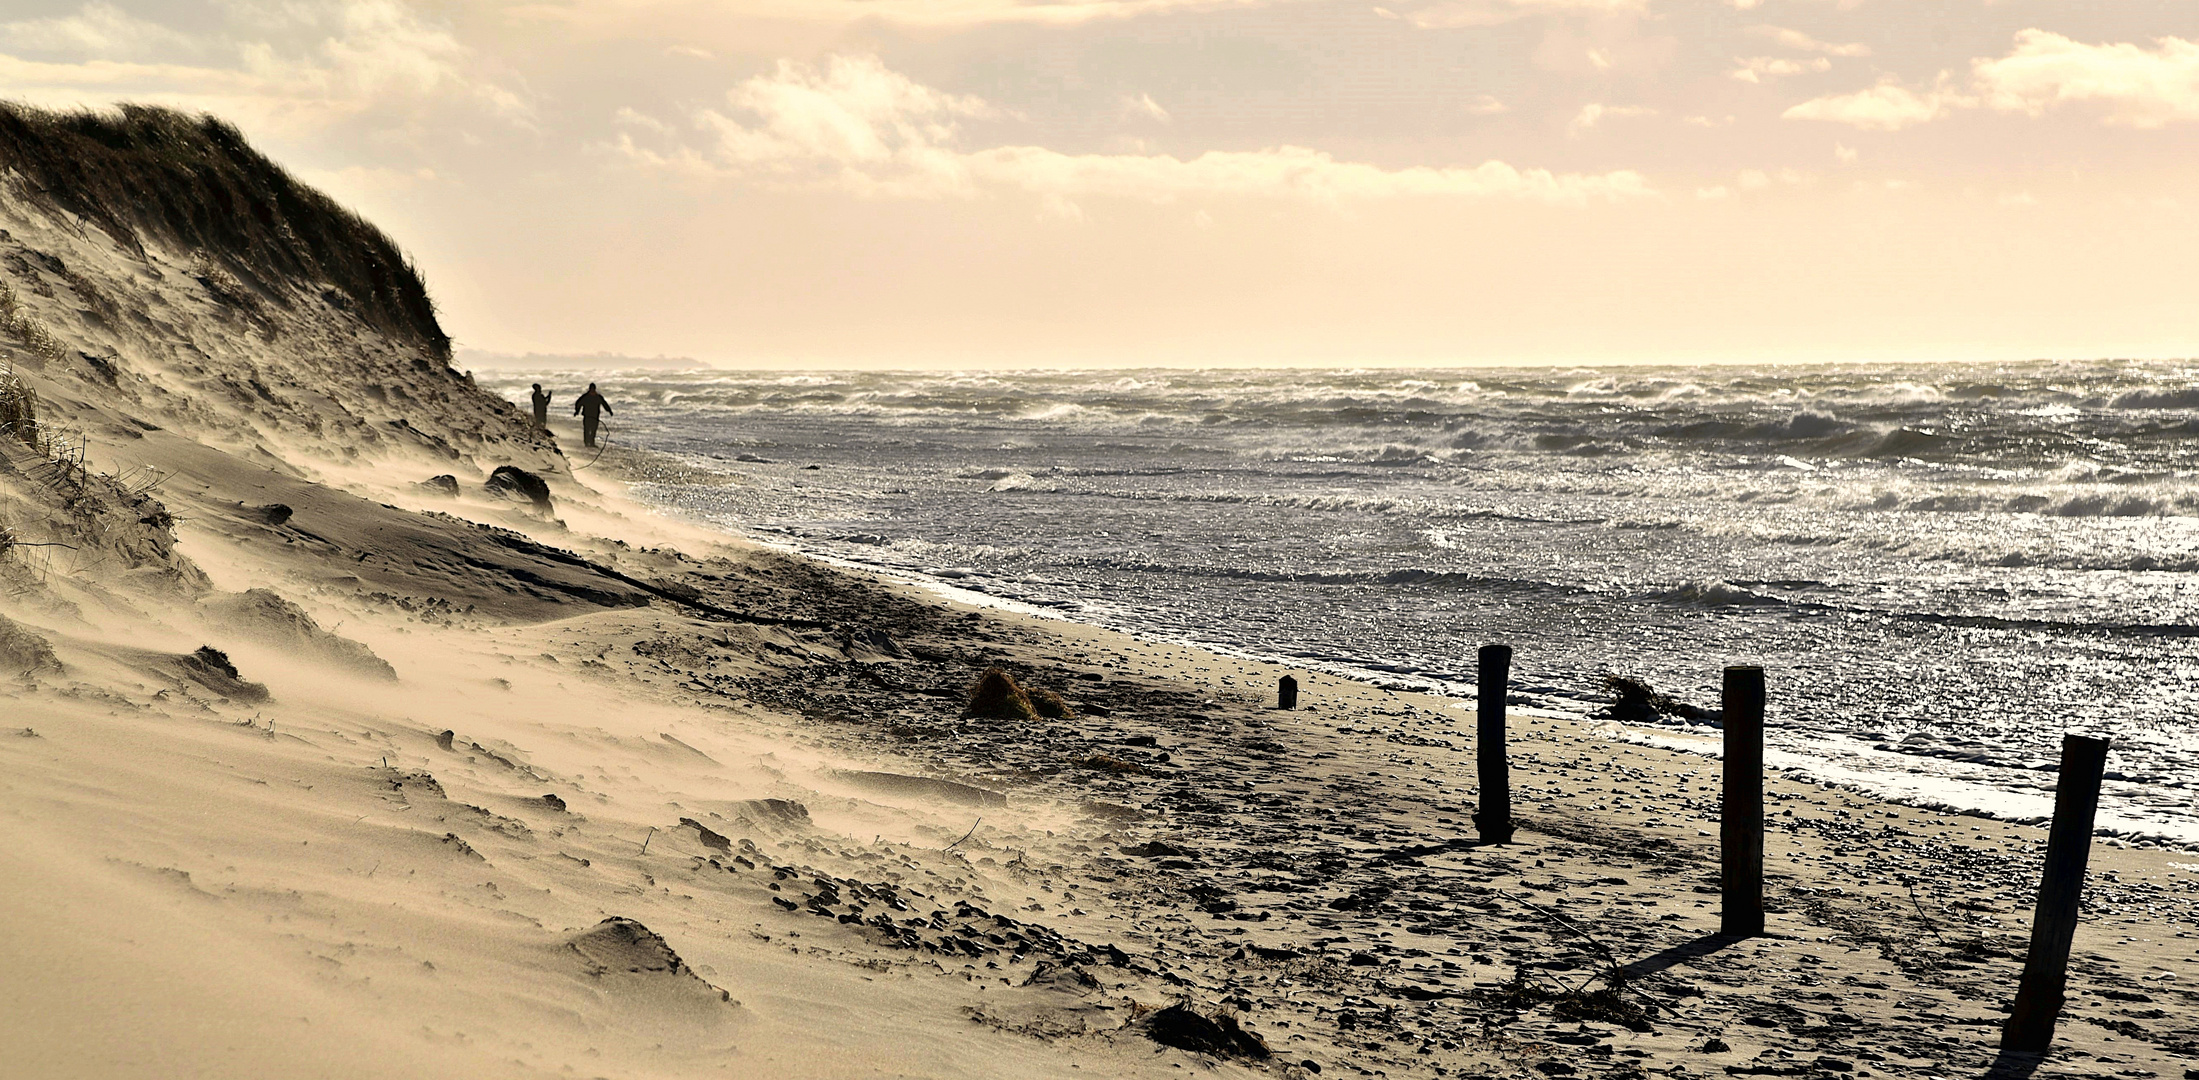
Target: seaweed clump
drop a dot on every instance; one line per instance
(1636, 702)
(1048, 704)
(995, 696)
(142, 172)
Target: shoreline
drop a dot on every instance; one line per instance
(1899, 780)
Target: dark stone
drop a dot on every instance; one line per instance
(445, 485)
(444, 740)
(1555, 1068)
(712, 840)
(513, 482)
(1219, 1035)
(554, 803)
(1155, 849)
(274, 513)
(783, 811)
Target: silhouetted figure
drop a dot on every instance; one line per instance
(591, 408)
(541, 407)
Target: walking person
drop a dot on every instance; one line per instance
(591, 408)
(541, 401)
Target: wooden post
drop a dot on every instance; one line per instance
(1286, 693)
(2030, 1027)
(1494, 818)
(1741, 818)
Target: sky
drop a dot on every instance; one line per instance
(1119, 183)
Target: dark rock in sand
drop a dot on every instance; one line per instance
(778, 811)
(712, 840)
(554, 803)
(445, 740)
(1155, 849)
(1070, 977)
(512, 482)
(274, 514)
(1219, 1035)
(947, 790)
(445, 485)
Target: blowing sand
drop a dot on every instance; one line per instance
(317, 766)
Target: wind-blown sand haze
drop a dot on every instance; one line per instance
(316, 767)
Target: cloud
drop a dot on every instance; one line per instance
(1593, 114)
(1144, 105)
(933, 13)
(1801, 42)
(855, 125)
(1452, 14)
(2141, 87)
(1889, 106)
(300, 66)
(1758, 68)
(99, 31)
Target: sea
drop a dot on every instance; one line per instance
(1942, 568)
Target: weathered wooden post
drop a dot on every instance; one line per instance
(2030, 1027)
(1286, 693)
(1741, 817)
(1494, 818)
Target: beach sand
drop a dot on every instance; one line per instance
(459, 788)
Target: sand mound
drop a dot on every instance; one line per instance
(267, 617)
(23, 652)
(210, 667)
(622, 947)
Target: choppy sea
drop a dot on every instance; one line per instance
(1942, 568)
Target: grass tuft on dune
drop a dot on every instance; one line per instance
(141, 172)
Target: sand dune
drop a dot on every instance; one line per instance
(317, 769)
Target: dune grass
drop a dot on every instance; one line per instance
(141, 173)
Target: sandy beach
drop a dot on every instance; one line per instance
(315, 766)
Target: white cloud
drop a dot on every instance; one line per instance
(337, 60)
(1486, 105)
(1889, 106)
(99, 31)
(1593, 114)
(1758, 68)
(1144, 105)
(2141, 87)
(1801, 42)
(1451, 14)
(858, 126)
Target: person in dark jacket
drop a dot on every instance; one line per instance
(591, 408)
(541, 401)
